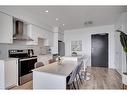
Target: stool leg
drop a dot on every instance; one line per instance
(80, 78)
(77, 82)
(74, 85)
(123, 86)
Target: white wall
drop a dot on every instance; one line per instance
(85, 35)
(120, 58)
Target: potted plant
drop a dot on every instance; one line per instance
(123, 40)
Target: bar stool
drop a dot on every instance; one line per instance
(38, 64)
(84, 72)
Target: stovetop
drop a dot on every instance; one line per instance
(21, 54)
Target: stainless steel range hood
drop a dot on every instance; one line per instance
(19, 32)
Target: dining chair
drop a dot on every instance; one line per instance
(78, 73)
(71, 78)
(38, 64)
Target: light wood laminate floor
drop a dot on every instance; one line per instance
(100, 78)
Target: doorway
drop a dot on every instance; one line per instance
(99, 50)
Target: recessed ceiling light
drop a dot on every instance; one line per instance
(46, 11)
(57, 19)
(63, 24)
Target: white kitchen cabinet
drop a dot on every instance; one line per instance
(8, 73)
(48, 41)
(61, 36)
(35, 32)
(2, 75)
(54, 48)
(6, 28)
(32, 32)
(51, 38)
(41, 33)
(55, 43)
(58, 34)
(11, 73)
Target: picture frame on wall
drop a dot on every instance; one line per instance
(76, 45)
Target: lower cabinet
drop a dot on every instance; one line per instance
(11, 73)
(8, 73)
(2, 75)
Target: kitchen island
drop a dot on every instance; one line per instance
(52, 76)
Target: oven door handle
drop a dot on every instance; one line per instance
(28, 59)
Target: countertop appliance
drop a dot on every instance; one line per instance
(26, 62)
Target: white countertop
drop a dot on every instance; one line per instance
(63, 70)
(7, 59)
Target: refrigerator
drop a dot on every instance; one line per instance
(61, 48)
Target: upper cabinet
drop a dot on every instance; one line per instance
(58, 34)
(35, 32)
(6, 28)
(48, 41)
(32, 32)
(61, 36)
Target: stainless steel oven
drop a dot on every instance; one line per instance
(25, 64)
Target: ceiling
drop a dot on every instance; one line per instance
(73, 16)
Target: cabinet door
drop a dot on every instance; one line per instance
(32, 33)
(11, 73)
(46, 42)
(6, 28)
(60, 36)
(55, 43)
(48, 39)
(41, 33)
(51, 38)
(2, 75)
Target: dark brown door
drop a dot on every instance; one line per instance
(99, 52)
